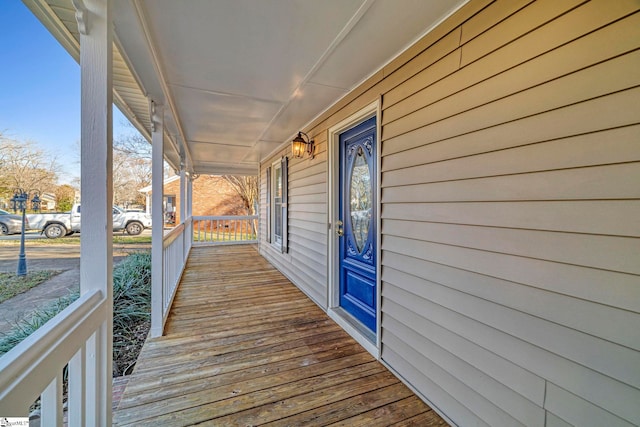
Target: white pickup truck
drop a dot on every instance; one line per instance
(55, 225)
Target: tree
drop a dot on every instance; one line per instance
(65, 197)
(131, 168)
(247, 189)
(24, 165)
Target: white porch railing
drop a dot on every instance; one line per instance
(34, 367)
(175, 247)
(225, 230)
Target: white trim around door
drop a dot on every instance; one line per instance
(371, 344)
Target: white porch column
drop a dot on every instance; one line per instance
(190, 196)
(96, 179)
(183, 195)
(188, 206)
(157, 229)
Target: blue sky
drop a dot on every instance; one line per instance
(40, 88)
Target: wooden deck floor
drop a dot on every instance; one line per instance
(245, 347)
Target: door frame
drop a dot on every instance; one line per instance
(333, 266)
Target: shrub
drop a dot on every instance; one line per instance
(28, 325)
(131, 309)
(131, 312)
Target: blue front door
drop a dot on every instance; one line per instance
(358, 218)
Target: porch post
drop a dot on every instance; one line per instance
(189, 205)
(189, 214)
(157, 215)
(96, 180)
(183, 195)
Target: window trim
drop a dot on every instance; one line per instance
(276, 240)
(268, 206)
(281, 241)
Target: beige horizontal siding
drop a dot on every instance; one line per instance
(614, 217)
(431, 144)
(446, 399)
(520, 23)
(307, 208)
(580, 412)
(476, 402)
(489, 17)
(513, 376)
(510, 163)
(619, 254)
(564, 153)
(596, 182)
(497, 400)
(573, 312)
(603, 356)
(611, 395)
(510, 198)
(573, 88)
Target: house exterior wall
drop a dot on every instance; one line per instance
(212, 195)
(510, 241)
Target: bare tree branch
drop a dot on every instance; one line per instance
(24, 165)
(247, 189)
(131, 168)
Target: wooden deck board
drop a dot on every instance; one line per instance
(245, 347)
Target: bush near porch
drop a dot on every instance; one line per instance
(131, 313)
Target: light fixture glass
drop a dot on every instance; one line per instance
(299, 146)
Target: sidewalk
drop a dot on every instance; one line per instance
(23, 304)
(64, 258)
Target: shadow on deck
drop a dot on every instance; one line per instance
(243, 346)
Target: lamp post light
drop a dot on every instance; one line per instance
(19, 202)
(35, 202)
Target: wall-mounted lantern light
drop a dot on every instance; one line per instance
(299, 146)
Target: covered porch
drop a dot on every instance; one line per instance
(244, 346)
(496, 143)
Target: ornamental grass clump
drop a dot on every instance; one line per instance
(131, 313)
(28, 325)
(131, 310)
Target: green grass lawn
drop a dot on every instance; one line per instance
(12, 285)
(75, 240)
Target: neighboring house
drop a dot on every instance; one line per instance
(471, 213)
(212, 196)
(48, 201)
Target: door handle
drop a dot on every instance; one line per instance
(339, 229)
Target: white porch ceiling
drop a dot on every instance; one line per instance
(237, 78)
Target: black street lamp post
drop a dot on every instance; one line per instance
(19, 202)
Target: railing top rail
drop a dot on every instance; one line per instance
(172, 235)
(225, 217)
(30, 366)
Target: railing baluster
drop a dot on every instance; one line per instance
(228, 229)
(51, 403)
(75, 337)
(76, 398)
(176, 245)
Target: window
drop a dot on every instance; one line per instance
(277, 204)
(277, 182)
(268, 206)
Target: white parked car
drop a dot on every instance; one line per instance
(55, 225)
